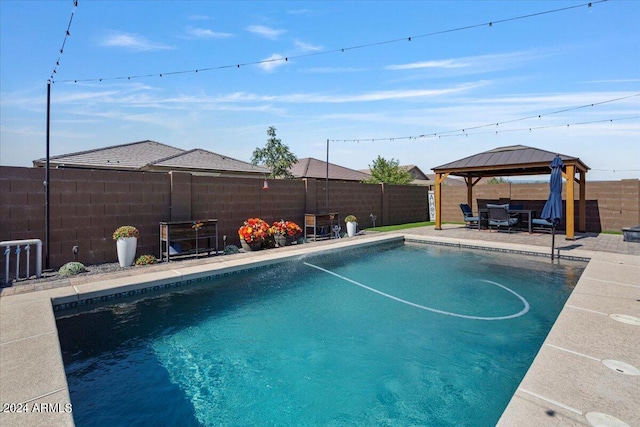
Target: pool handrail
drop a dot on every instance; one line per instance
(7, 244)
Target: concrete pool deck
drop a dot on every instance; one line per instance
(566, 382)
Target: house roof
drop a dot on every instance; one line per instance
(448, 180)
(199, 160)
(132, 156)
(313, 168)
(152, 156)
(415, 172)
(511, 160)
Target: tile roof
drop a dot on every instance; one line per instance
(205, 161)
(132, 156)
(149, 156)
(313, 168)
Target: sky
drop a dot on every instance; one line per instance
(421, 82)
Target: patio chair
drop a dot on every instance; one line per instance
(517, 207)
(543, 225)
(469, 219)
(498, 216)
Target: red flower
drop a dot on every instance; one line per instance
(283, 227)
(253, 230)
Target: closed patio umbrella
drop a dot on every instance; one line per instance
(552, 210)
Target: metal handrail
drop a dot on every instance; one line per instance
(7, 244)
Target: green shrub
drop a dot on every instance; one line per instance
(231, 249)
(71, 269)
(146, 259)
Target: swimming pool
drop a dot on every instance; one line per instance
(391, 335)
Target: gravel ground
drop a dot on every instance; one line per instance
(112, 267)
(52, 275)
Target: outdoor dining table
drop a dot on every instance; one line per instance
(483, 213)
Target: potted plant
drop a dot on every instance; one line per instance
(351, 221)
(146, 259)
(253, 233)
(126, 238)
(284, 232)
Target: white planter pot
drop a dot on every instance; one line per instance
(351, 229)
(126, 250)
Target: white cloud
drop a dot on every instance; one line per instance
(299, 12)
(204, 33)
(199, 18)
(327, 70)
(307, 47)
(613, 81)
(271, 63)
(319, 98)
(266, 32)
(132, 42)
(479, 63)
(444, 63)
(379, 95)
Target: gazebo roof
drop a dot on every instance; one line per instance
(508, 161)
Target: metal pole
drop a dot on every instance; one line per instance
(327, 180)
(553, 239)
(46, 181)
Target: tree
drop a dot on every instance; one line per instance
(389, 172)
(275, 155)
(498, 180)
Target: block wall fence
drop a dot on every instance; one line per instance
(86, 206)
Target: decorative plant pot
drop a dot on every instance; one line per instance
(351, 229)
(256, 245)
(126, 248)
(283, 240)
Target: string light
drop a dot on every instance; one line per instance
(465, 131)
(530, 129)
(462, 133)
(64, 41)
(340, 50)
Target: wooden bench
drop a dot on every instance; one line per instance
(181, 237)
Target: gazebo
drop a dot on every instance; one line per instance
(513, 161)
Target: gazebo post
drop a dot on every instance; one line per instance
(571, 176)
(470, 184)
(440, 177)
(582, 206)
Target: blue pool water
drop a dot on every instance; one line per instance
(365, 337)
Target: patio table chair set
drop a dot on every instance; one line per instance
(500, 216)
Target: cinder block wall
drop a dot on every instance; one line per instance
(611, 205)
(232, 200)
(406, 204)
(86, 206)
(351, 198)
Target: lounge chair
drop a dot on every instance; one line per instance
(469, 219)
(498, 216)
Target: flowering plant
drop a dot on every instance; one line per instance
(146, 260)
(125, 231)
(253, 230)
(285, 228)
(350, 218)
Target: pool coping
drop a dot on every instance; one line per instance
(606, 286)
